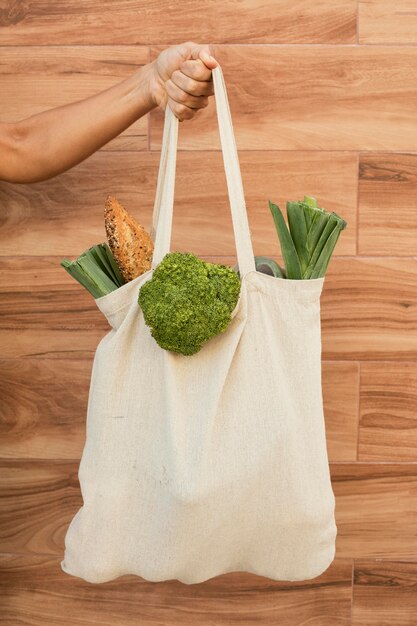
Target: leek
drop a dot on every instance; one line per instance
(95, 269)
(289, 252)
(308, 242)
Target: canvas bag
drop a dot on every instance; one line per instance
(195, 466)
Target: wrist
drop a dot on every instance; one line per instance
(155, 84)
(143, 88)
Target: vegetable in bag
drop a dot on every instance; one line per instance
(307, 245)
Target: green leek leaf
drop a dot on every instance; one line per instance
(309, 205)
(94, 270)
(317, 226)
(324, 258)
(288, 250)
(298, 230)
(118, 276)
(328, 229)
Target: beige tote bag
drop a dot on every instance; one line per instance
(199, 465)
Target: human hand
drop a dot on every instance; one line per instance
(181, 78)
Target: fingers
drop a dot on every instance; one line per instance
(184, 105)
(181, 111)
(205, 54)
(190, 86)
(194, 86)
(196, 70)
(184, 97)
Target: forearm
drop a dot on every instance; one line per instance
(51, 142)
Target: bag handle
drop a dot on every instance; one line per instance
(164, 197)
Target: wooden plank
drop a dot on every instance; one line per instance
(276, 176)
(38, 293)
(64, 216)
(369, 309)
(388, 204)
(38, 499)
(368, 312)
(45, 313)
(44, 407)
(126, 22)
(384, 593)
(376, 510)
(114, 62)
(38, 78)
(50, 344)
(388, 419)
(337, 98)
(340, 398)
(376, 507)
(387, 21)
(35, 588)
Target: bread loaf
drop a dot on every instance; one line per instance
(129, 242)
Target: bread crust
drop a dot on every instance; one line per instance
(129, 242)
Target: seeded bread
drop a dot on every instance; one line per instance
(129, 242)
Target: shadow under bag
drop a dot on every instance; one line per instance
(195, 466)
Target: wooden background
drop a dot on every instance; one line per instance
(324, 102)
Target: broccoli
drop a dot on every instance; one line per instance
(187, 301)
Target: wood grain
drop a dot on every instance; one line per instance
(388, 418)
(384, 594)
(38, 78)
(376, 510)
(340, 398)
(44, 408)
(49, 596)
(328, 112)
(37, 293)
(387, 21)
(376, 507)
(369, 309)
(291, 98)
(127, 22)
(38, 499)
(388, 204)
(50, 344)
(43, 414)
(368, 312)
(65, 215)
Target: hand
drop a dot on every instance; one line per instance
(181, 78)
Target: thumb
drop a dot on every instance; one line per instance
(205, 54)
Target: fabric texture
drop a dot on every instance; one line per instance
(194, 466)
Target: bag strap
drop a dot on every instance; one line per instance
(162, 220)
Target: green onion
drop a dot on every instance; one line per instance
(298, 229)
(308, 244)
(289, 252)
(96, 270)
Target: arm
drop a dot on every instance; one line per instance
(51, 142)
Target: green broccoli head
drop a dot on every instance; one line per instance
(187, 301)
